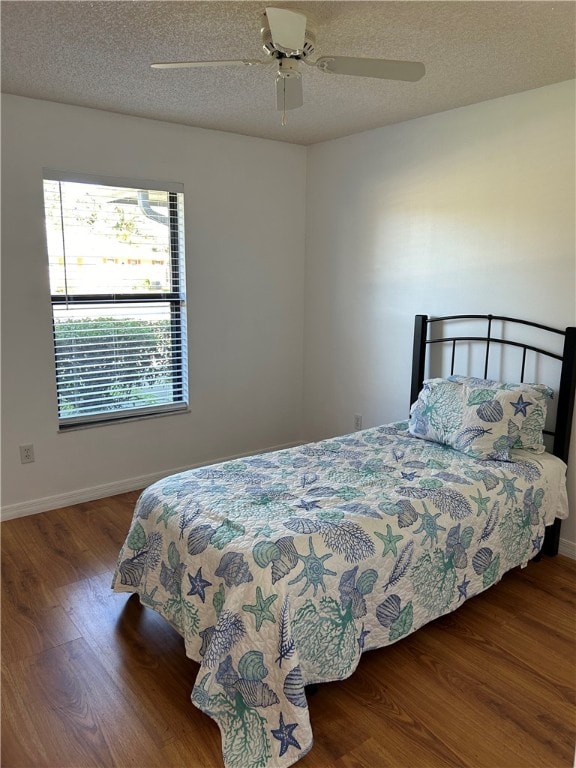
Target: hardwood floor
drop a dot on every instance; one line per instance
(90, 678)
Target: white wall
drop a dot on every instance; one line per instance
(470, 210)
(245, 267)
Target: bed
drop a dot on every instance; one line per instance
(280, 570)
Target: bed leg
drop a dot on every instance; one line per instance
(311, 689)
(552, 539)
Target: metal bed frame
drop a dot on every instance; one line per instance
(425, 335)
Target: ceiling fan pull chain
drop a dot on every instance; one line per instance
(283, 102)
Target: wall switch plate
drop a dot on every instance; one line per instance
(357, 421)
(26, 454)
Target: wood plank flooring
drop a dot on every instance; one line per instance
(90, 678)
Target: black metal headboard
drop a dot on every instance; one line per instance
(426, 334)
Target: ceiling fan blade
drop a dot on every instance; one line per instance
(387, 69)
(288, 29)
(289, 92)
(185, 64)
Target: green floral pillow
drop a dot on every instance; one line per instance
(483, 423)
(531, 438)
(437, 414)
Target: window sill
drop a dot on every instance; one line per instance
(63, 428)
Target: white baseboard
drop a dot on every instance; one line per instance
(567, 548)
(34, 506)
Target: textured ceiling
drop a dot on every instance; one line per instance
(98, 54)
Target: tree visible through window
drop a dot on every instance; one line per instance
(116, 263)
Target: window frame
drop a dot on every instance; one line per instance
(175, 298)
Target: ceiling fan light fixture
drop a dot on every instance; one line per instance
(288, 30)
(273, 48)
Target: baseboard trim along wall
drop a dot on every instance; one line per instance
(35, 506)
(567, 548)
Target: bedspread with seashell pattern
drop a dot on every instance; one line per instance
(280, 570)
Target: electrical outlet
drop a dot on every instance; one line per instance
(357, 421)
(26, 454)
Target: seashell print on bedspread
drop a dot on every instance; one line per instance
(279, 570)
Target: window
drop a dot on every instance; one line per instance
(116, 263)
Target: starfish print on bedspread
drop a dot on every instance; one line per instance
(266, 531)
(463, 588)
(481, 501)
(308, 504)
(198, 585)
(285, 735)
(261, 609)
(390, 541)
(167, 513)
(509, 488)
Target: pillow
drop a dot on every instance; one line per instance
(530, 438)
(481, 422)
(437, 414)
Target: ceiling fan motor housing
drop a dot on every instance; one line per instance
(288, 69)
(267, 44)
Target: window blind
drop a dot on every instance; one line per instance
(116, 265)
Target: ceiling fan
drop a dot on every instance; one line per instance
(288, 40)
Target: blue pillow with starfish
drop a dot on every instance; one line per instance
(531, 429)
